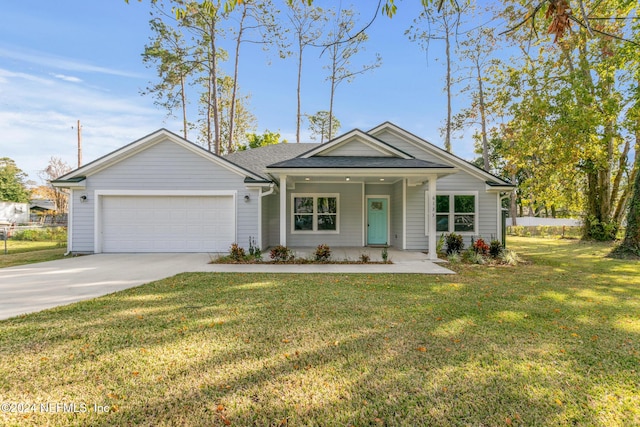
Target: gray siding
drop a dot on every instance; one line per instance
(350, 216)
(163, 166)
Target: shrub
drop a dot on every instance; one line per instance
(281, 254)
(495, 249)
(475, 257)
(454, 243)
(365, 258)
(323, 252)
(480, 247)
(254, 251)
(440, 244)
(509, 257)
(236, 252)
(385, 254)
(454, 258)
(50, 234)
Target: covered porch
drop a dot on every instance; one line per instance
(360, 207)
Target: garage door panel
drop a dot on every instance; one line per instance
(167, 223)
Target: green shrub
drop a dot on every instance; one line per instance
(254, 251)
(385, 254)
(281, 254)
(323, 253)
(509, 257)
(50, 234)
(454, 258)
(601, 231)
(365, 258)
(440, 244)
(454, 243)
(495, 248)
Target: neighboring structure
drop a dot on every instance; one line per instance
(381, 187)
(14, 213)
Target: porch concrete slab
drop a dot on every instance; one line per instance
(35, 287)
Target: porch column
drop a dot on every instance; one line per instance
(283, 210)
(432, 217)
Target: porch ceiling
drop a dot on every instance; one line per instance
(369, 176)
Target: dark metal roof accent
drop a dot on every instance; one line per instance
(497, 184)
(357, 162)
(248, 180)
(257, 159)
(70, 180)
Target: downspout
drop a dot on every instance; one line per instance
(272, 188)
(262, 194)
(501, 237)
(69, 225)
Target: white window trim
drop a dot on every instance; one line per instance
(452, 214)
(315, 213)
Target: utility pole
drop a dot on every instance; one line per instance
(79, 144)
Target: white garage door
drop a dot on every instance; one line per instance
(167, 223)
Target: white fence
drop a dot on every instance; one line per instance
(532, 221)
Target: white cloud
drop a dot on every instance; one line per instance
(68, 64)
(67, 78)
(37, 115)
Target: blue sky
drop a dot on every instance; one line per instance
(76, 59)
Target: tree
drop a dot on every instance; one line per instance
(255, 24)
(568, 132)
(174, 64)
(237, 106)
(446, 24)
(477, 49)
(12, 182)
(323, 124)
(342, 47)
(306, 22)
(267, 138)
(60, 196)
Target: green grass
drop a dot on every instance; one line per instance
(555, 341)
(26, 252)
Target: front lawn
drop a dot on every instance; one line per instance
(555, 341)
(26, 252)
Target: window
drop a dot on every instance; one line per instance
(456, 213)
(315, 213)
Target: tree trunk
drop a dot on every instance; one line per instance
(631, 242)
(447, 139)
(232, 112)
(183, 98)
(298, 114)
(333, 90)
(214, 86)
(483, 119)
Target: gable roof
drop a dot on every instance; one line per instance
(444, 155)
(374, 143)
(73, 177)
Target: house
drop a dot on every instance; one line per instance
(14, 213)
(385, 186)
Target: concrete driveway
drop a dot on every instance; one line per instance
(34, 287)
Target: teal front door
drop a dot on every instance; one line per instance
(377, 221)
